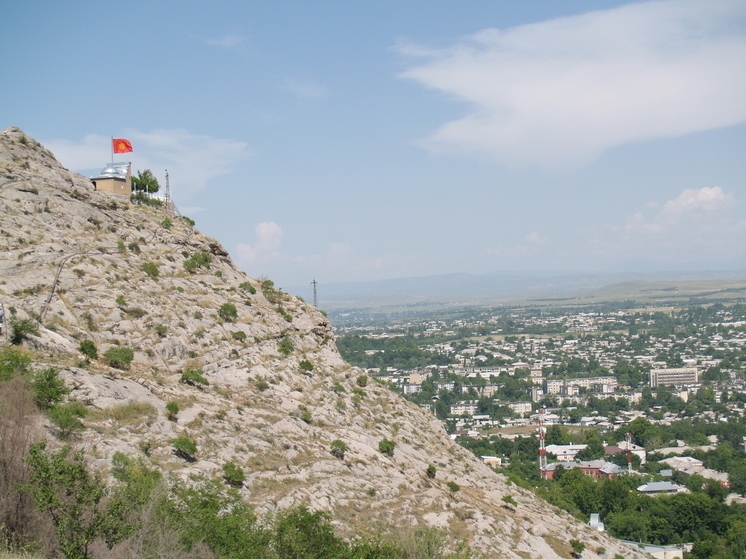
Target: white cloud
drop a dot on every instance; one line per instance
(192, 160)
(266, 248)
(563, 91)
(698, 225)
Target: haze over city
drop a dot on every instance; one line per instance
(362, 141)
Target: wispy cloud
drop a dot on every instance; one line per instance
(193, 160)
(563, 91)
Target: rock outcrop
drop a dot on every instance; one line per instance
(94, 266)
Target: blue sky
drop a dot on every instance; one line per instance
(349, 140)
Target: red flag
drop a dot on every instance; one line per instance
(119, 145)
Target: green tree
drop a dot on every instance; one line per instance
(302, 534)
(145, 181)
(228, 312)
(185, 447)
(21, 329)
(49, 389)
(61, 485)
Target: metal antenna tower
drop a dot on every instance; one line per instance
(169, 201)
(315, 299)
(628, 437)
(542, 448)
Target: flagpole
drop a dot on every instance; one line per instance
(112, 150)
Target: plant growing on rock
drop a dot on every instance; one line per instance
(172, 410)
(362, 381)
(285, 346)
(306, 365)
(338, 449)
(507, 499)
(49, 389)
(151, 269)
(119, 357)
(185, 448)
(430, 471)
(239, 336)
(88, 348)
(228, 312)
(21, 329)
(577, 547)
(246, 286)
(194, 377)
(453, 487)
(387, 447)
(233, 474)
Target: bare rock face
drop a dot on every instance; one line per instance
(93, 266)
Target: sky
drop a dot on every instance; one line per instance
(350, 140)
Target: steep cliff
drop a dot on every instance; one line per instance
(92, 266)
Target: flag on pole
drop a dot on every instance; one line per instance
(120, 145)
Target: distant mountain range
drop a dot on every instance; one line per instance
(480, 289)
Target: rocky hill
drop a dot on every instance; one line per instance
(92, 266)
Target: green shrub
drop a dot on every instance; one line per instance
(185, 447)
(172, 410)
(219, 274)
(21, 329)
(246, 286)
(306, 416)
(134, 247)
(161, 329)
(188, 220)
(577, 547)
(233, 474)
(88, 348)
(239, 336)
(338, 388)
(67, 417)
(13, 361)
(306, 365)
(194, 377)
(228, 312)
(135, 312)
(362, 381)
(167, 223)
(120, 301)
(430, 471)
(119, 357)
(151, 269)
(338, 449)
(453, 486)
(49, 389)
(285, 346)
(387, 447)
(509, 500)
(197, 260)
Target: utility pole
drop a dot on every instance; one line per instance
(315, 300)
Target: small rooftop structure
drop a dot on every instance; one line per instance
(661, 487)
(116, 178)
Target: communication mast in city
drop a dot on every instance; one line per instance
(315, 300)
(628, 438)
(542, 448)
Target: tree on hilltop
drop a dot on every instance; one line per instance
(145, 181)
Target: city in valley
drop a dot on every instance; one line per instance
(652, 399)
